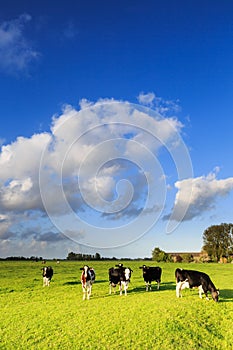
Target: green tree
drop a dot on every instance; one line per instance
(218, 241)
(159, 255)
(97, 256)
(71, 256)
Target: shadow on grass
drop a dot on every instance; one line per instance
(163, 286)
(72, 283)
(226, 295)
(101, 281)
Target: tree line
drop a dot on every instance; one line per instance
(18, 258)
(96, 256)
(83, 257)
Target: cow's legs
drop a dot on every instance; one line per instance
(46, 281)
(88, 292)
(125, 284)
(126, 287)
(200, 291)
(110, 288)
(120, 288)
(149, 286)
(178, 289)
(206, 294)
(84, 293)
(203, 290)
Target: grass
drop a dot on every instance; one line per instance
(56, 317)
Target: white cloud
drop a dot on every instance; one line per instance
(22, 156)
(164, 107)
(84, 103)
(24, 185)
(16, 52)
(146, 98)
(20, 163)
(205, 192)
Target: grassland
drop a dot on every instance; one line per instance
(56, 317)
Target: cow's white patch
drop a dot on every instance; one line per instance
(181, 286)
(85, 268)
(184, 285)
(127, 274)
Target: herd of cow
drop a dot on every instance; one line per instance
(120, 275)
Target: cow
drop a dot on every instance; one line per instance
(87, 280)
(191, 279)
(151, 273)
(47, 273)
(119, 276)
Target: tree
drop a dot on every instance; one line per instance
(71, 256)
(218, 241)
(97, 256)
(159, 255)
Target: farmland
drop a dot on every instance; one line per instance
(56, 317)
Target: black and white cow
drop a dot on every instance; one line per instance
(87, 280)
(151, 273)
(191, 279)
(47, 273)
(119, 276)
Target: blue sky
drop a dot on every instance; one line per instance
(114, 115)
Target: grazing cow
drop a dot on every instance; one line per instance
(47, 273)
(87, 280)
(191, 278)
(151, 273)
(119, 276)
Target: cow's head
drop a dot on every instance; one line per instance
(215, 295)
(85, 270)
(120, 265)
(145, 269)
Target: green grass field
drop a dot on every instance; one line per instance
(56, 317)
